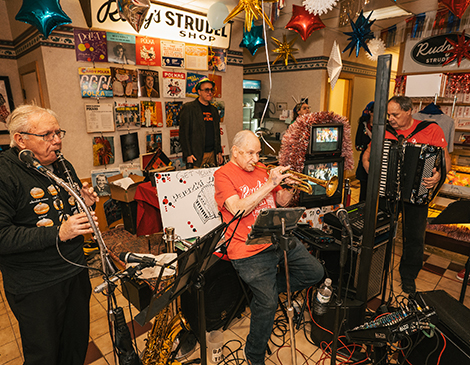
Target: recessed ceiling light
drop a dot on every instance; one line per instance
(387, 13)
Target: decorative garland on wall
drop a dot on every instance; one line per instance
(295, 141)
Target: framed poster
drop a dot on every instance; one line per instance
(6, 102)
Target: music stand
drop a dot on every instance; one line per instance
(454, 213)
(279, 223)
(191, 267)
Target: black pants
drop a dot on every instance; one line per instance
(414, 231)
(55, 322)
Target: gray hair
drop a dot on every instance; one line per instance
(19, 120)
(404, 101)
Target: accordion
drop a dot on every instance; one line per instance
(420, 160)
(404, 180)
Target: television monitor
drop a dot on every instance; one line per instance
(325, 139)
(251, 85)
(323, 169)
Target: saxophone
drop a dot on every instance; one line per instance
(165, 329)
(162, 336)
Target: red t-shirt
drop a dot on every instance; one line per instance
(232, 180)
(432, 135)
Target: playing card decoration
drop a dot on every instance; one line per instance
(134, 11)
(253, 10)
(360, 35)
(303, 22)
(253, 39)
(44, 15)
(285, 50)
(461, 49)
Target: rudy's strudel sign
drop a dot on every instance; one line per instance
(431, 53)
(162, 22)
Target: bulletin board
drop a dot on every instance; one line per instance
(187, 201)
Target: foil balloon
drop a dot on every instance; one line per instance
(216, 15)
(253, 10)
(45, 15)
(253, 39)
(457, 7)
(134, 11)
(303, 22)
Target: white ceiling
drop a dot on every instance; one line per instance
(331, 18)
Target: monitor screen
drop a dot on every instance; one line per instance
(252, 84)
(325, 139)
(323, 169)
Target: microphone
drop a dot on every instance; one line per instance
(131, 258)
(28, 157)
(342, 215)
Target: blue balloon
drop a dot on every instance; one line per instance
(253, 39)
(44, 15)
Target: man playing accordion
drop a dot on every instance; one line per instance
(406, 129)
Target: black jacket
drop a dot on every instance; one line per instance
(29, 227)
(193, 131)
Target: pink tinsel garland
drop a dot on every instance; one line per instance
(295, 141)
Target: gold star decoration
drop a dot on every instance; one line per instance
(253, 9)
(285, 50)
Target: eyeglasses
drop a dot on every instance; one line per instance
(211, 90)
(48, 137)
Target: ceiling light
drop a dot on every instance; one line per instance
(387, 13)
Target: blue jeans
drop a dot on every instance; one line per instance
(261, 274)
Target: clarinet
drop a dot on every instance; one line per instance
(75, 191)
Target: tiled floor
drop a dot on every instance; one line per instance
(439, 272)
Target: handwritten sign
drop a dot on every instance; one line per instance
(187, 201)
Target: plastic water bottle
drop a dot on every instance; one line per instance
(323, 297)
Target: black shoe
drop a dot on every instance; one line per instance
(408, 288)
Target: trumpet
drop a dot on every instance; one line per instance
(302, 181)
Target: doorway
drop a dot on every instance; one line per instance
(339, 99)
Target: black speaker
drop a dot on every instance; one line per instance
(223, 296)
(453, 323)
(351, 315)
(331, 264)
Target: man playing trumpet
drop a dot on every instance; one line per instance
(240, 186)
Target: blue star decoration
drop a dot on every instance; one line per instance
(360, 35)
(44, 15)
(253, 39)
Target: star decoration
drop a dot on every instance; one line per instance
(253, 9)
(44, 15)
(461, 49)
(303, 22)
(285, 50)
(457, 7)
(360, 35)
(253, 39)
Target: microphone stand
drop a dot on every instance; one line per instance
(106, 264)
(346, 239)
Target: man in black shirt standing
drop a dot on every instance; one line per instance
(200, 128)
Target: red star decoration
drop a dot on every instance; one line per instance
(303, 22)
(461, 49)
(458, 7)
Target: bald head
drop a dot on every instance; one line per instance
(245, 150)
